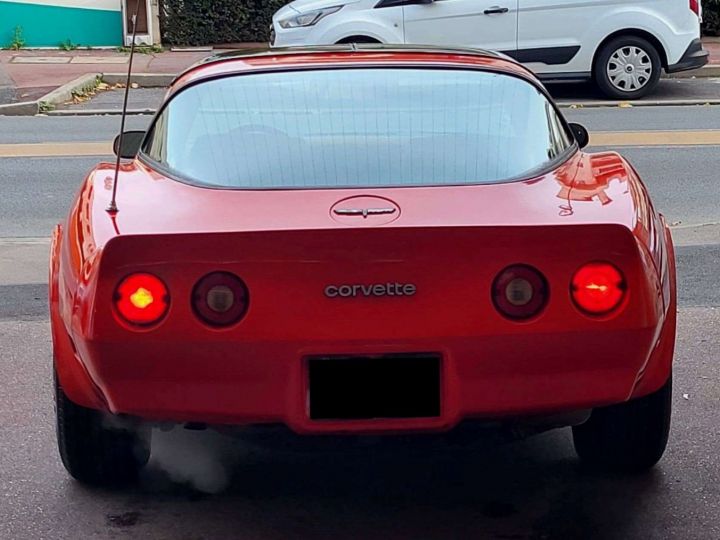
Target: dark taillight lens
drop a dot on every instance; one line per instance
(220, 299)
(598, 288)
(520, 292)
(142, 299)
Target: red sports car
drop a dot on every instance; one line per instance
(361, 240)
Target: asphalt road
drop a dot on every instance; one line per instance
(202, 485)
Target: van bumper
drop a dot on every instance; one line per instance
(694, 57)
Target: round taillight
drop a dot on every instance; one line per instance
(598, 288)
(220, 299)
(520, 292)
(142, 299)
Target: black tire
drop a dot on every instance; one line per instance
(630, 437)
(93, 450)
(604, 58)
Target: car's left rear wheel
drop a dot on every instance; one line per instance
(96, 448)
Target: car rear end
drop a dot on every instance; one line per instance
(373, 330)
(343, 264)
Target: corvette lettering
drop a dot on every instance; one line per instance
(377, 290)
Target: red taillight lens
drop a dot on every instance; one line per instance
(598, 288)
(695, 6)
(220, 299)
(142, 299)
(520, 292)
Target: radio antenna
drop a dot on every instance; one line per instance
(112, 207)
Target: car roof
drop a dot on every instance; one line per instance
(357, 55)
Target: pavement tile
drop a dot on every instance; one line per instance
(100, 59)
(39, 60)
(7, 87)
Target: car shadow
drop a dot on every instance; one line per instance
(281, 487)
(667, 89)
(575, 91)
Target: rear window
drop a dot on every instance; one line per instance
(357, 128)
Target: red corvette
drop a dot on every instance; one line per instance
(361, 240)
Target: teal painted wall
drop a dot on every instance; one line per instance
(48, 26)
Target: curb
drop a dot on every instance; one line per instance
(65, 92)
(633, 104)
(59, 95)
(99, 112)
(162, 80)
(561, 104)
(705, 72)
(144, 80)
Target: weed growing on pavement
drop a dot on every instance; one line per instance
(143, 49)
(80, 95)
(68, 45)
(18, 41)
(45, 107)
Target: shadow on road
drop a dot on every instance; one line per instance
(383, 488)
(667, 89)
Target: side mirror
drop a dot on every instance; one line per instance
(582, 137)
(131, 141)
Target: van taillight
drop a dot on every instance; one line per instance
(220, 299)
(520, 292)
(695, 7)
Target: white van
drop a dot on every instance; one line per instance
(622, 45)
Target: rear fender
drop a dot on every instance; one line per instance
(72, 376)
(659, 366)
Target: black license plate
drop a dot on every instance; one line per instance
(363, 388)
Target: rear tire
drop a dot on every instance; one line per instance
(627, 67)
(92, 449)
(630, 437)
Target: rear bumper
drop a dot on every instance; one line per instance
(694, 57)
(487, 377)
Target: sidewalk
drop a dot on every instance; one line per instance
(28, 75)
(712, 45)
(37, 72)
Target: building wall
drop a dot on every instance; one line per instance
(48, 23)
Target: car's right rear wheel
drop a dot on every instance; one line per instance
(95, 448)
(629, 437)
(627, 67)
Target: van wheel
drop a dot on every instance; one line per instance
(94, 448)
(629, 437)
(627, 67)
(357, 39)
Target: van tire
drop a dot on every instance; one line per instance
(643, 65)
(357, 39)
